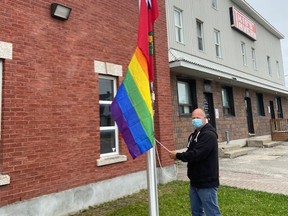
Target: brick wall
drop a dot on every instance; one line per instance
(182, 125)
(163, 107)
(236, 125)
(50, 116)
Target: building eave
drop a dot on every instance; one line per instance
(188, 65)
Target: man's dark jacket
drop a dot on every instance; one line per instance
(202, 157)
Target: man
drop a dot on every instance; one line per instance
(203, 166)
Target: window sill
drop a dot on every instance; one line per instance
(111, 160)
(4, 180)
(229, 115)
(180, 42)
(185, 115)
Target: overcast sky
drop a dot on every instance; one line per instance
(275, 12)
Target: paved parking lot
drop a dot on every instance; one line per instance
(263, 169)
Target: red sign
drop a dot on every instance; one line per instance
(242, 23)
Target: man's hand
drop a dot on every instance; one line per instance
(172, 154)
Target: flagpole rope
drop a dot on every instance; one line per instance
(162, 145)
(159, 161)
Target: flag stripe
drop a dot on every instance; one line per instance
(135, 123)
(123, 128)
(141, 110)
(139, 94)
(142, 61)
(132, 106)
(140, 79)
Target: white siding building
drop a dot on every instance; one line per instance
(225, 58)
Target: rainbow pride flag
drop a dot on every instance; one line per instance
(132, 106)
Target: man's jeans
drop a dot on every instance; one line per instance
(204, 200)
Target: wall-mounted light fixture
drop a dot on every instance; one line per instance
(60, 11)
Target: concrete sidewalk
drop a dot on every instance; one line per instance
(263, 169)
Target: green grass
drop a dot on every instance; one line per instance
(174, 201)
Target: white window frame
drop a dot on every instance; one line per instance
(6, 52)
(4, 179)
(217, 41)
(179, 35)
(111, 71)
(269, 65)
(184, 97)
(200, 34)
(254, 62)
(243, 53)
(109, 128)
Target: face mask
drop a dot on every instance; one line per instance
(197, 123)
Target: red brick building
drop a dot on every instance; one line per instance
(51, 137)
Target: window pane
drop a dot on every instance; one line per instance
(186, 110)
(254, 59)
(225, 100)
(278, 69)
(178, 25)
(260, 104)
(217, 51)
(107, 142)
(214, 4)
(178, 35)
(269, 65)
(243, 50)
(108, 131)
(200, 35)
(216, 34)
(106, 89)
(183, 93)
(105, 115)
(200, 44)
(177, 18)
(217, 43)
(199, 29)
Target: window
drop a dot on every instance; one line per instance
(200, 35)
(278, 69)
(260, 104)
(108, 129)
(269, 65)
(254, 58)
(227, 101)
(217, 43)
(279, 107)
(243, 53)
(186, 96)
(215, 4)
(6, 52)
(178, 20)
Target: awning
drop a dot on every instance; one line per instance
(193, 66)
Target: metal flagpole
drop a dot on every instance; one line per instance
(151, 173)
(152, 182)
(151, 169)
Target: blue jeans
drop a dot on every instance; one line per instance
(204, 201)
